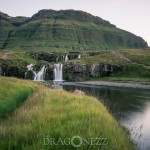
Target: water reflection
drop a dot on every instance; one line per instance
(130, 106)
(57, 84)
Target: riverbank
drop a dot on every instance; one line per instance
(115, 84)
(58, 114)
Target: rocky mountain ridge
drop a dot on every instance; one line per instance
(67, 29)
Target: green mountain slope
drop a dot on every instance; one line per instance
(63, 29)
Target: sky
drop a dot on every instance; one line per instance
(130, 15)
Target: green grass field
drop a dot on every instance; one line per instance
(137, 55)
(106, 58)
(58, 114)
(12, 93)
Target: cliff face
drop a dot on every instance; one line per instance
(63, 29)
(72, 71)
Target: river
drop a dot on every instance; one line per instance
(130, 106)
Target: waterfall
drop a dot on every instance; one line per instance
(57, 58)
(66, 58)
(79, 56)
(58, 72)
(30, 68)
(105, 68)
(40, 75)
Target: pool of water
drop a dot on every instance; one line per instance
(130, 106)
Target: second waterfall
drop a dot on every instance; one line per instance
(58, 72)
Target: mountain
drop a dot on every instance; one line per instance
(69, 29)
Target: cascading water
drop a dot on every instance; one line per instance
(30, 68)
(40, 75)
(57, 58)
(105, 68)
(79, 56)
(58, 72)
(66, 58)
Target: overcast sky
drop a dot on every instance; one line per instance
(130, 15)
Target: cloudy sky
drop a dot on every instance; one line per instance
(130, 15)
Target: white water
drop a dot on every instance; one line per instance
(66, 58)
(40, 75)
(30, 68)
(58, 72)
(105, 68)
(57, 58)
(79, 56)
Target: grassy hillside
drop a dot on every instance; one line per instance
(106, 58)
(12, 93)
(138, 56)
(135, 64)
(58, 114)
(64, 29)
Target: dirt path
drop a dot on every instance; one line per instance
(121, 56)
(6, 56)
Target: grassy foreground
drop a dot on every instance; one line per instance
(12, 93)
(60, 115)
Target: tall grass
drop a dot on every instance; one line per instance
(105, 57)
(12, 93)
(60, 114)
(137, 55)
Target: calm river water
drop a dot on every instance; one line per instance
(130, 106)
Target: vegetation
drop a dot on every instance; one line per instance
(23, 56)
(135, 66)
(58, 114)
(137, 55)
(64, 29)
(12, 93)
(104, 58)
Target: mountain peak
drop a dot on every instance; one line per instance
(71, 15)
(3, 15)
(71, 29)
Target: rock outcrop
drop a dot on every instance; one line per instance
(0, 69)
(78, 72)
(52, 57)
(15, 68)
(72, 71)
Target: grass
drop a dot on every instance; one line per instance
(134, 71)
(67, 33)
(18, 56)
(106, 58)
(23, 56)
(12, 93)
(60, 114)
(137, 55)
